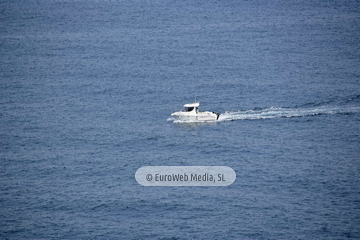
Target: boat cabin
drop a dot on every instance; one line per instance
(191, 107)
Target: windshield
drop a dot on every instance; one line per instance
(188, 109)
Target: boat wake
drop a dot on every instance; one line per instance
(274, 112)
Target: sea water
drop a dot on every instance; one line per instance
(88, 86)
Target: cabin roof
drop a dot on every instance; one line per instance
(192, 104)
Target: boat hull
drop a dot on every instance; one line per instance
(201, 116)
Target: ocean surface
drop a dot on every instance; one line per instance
(86, 92)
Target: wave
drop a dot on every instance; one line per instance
(352, 99)
(170, 119)
(274, 112)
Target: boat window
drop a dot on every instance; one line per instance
(188, 109)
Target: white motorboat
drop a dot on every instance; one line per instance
(191, 113)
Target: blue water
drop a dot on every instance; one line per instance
(88, 86)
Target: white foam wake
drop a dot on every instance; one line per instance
(284, 113)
